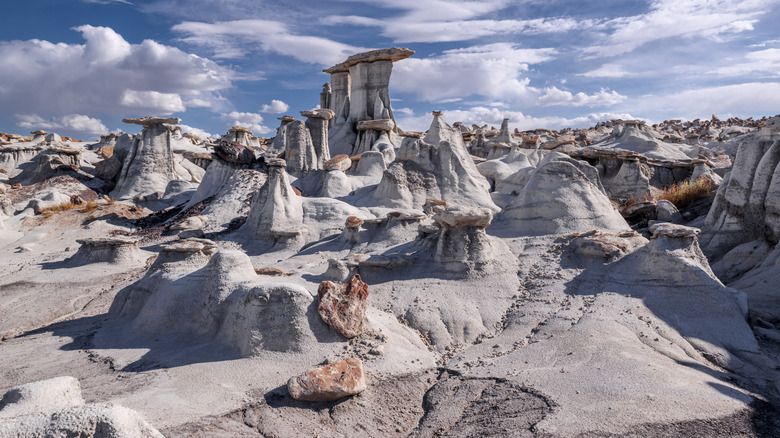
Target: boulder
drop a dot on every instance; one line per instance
(344, 308)
(329, 382)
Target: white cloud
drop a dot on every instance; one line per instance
(492, 70)
(748, 99)
(452, 20)
(763, 62)
(105, 75)
(197, 131)
(276, 107)
(480, 115)
(107, 2)
(235, 39)
(164, 103)
(680, 19)
(252, 121)
(608, 71)
(555, 96)
(77, 123)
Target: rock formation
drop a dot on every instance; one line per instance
(329, 382)
(560, 197)
(437, 166)
(343, 308)
(148, 167)
(359, 93)
(276, 210)
(55, 407)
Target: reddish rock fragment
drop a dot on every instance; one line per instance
(344, 308)
(329, 382)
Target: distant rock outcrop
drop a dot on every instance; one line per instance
(148, 167)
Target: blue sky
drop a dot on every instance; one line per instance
(78, 67)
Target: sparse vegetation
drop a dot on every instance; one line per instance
(87, 207)
(684, 194)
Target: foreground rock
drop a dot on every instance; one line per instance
(329, 382)
(55, 407)
(344, 309)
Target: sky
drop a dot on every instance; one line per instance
(78, 67)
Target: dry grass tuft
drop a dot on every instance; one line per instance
(682, 195)
(88, 207)
(63, 206)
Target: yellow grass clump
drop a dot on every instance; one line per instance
(87, 207)
(683, 194)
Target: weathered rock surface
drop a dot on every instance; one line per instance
(55, 407)
(344, 308)
(329, 382)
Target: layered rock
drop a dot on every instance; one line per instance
(329, 382)
(461, 240)
(437, 166)
(55, 407)
(317, 121)
(148, 166)
(563, 196)
(216, 298)
(276, 210)
(360, 93)
(113, 250)
(747, 204)
(344, 308)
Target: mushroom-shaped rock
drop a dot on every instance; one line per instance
(147, 121)
(665, 229)
(344, 308)
(459, 216)
(118, 249)
(599, 245)
(329, 382)
(462, 241)
(317, 124)
(147, 167)
(340, 162)
(234, 152)
(376, 125)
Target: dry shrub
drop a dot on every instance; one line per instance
(108, 200)
(631, 201)
(89, 207)
(682, 195)
(63, 206)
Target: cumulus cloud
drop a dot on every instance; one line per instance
(252, 121)
(197, 131)
(105, 75)
(608, 71)
(680, 19)
(481, 115)
(747, 99)
(237, 38)
(761, 63)
(452, 20)
(76, 123)
(493, 70)
(276, 107)
(555, 96)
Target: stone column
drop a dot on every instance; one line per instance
(317, 122)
